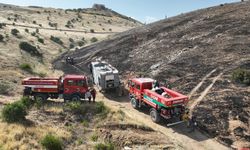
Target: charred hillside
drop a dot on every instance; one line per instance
(196, 53)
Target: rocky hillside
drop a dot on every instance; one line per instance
(196, 53)
(30, 37)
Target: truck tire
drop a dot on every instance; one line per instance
(41, 97)
(155, 116)
(134, 102)
(75, 98)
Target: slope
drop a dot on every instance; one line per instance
(183, 51)
(50, 31)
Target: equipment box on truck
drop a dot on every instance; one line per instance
(69, 87)
(163, 102)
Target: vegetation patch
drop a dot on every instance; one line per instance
(51, 142)
(14, 112)
(30, 49)
(26, 67)
(41, 40)
(241, 76)
(14, 32)
(4, 87)
(93, 39)
(56, 40)
(107, 146)
(1, 38)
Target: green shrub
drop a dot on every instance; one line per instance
(77, 108)
(33, 33)
(30, 49)
(2, 25)
(34, 22)
(14, 112)
(1, 38)
(241, 76)
(26, 30)
(56, 40)
(94, 137)
(4, 87)
(71, 45)
(93, 39)
(92, 30)
(14, 32)
(40, 40)
(27, 102)
(101, 146)
(71, 40)
(85, 123)
(81, 43)
(51, 142)
(26, 67)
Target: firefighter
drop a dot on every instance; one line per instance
(88, 95)
(185, 117)
(93, 93)
(156, 84)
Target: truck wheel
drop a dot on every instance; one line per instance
(40, 97)
(155, 116)
(75, 98)
(134, 102)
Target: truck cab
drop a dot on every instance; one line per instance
(74, 86)
(137, 85)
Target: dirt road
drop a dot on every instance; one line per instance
(178, 134)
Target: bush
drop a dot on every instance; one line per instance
(14, 112)
(4, 87)
(26, 67)
(26, 30)
(34, 22)
(100, 108)
(1, 38)
(77, 108)
(92, 30)
(51, 142)
(33, 33)
(40, 40)
(71, 45)
(80, 43)
(2, 25)
(93, 39)
(101, 146)
(94, 137)
(241, 76)
(56, 40)
(27, 102)
(71, 40)
(14, 32)
(37, 30)
(30, 49)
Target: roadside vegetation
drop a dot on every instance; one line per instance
(241, 76)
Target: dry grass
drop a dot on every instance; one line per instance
(16, 136)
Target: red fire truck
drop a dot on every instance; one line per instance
(162, 101)
(69, 87)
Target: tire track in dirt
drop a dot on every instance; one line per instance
(200, 84)
(204, 93)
